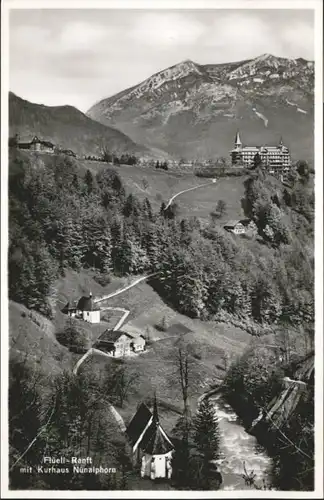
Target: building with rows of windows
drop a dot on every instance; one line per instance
(272, 157)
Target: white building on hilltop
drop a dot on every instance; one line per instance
(272, 157)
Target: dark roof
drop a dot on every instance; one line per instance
(232, 223)
(138, 337)
(178, 329)
(245, 222)
(36, 139)
(154, 442)
(87, 304)
(138, 423)
(112, 335)
(47, 143)
(70, 306)
(105, 346)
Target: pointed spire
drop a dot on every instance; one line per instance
(281, 142)
(238, 139)
(155, 410)
(90, 294)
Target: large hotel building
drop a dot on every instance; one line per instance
(273, 157)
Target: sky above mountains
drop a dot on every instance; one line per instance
(79, 56)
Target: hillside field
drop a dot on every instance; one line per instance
(35, 335)
(156, 366)
(158, 186)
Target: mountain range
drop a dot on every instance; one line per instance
(193, 111)
(67, 127)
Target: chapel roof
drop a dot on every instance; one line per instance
(87, 304)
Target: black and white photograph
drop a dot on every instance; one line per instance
(162, 239)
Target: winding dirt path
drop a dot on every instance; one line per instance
(186, 191)
(122, 319)
(121, 290)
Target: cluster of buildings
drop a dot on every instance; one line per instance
(118, 343)
(274, 158)
(40, 146)
(85, 308)
(113, 342)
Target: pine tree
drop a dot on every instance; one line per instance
(206, 437)
(88, 179)
(162, 208)
(181, 470)
(147, 209)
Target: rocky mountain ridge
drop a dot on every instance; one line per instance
(193, 110)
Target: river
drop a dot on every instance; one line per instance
(237, 447)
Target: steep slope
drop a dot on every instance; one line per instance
(193, 110)
(32, 339)
(67, 127)
(295, 389)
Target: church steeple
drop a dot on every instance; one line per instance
(280, 142)
(238, 142)
(155, 411)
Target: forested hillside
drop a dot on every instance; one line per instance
(61, 218)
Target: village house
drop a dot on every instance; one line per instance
(115, 342)
(119, 343)
(37, 144)
(250, 226)
(138, 344)
(152, 449)
(70, 309)
(235, 227)
(88, 310)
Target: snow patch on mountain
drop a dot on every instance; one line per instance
(260, 115)
(302, 111)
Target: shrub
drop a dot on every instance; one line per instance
(103, 278)
(75, 338)
(163, 325)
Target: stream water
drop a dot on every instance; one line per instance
(237, 447)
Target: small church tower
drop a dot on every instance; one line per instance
(236, 153)
(152, 448)
(238, 142)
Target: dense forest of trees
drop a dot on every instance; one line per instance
(59, 219)
(64, 418)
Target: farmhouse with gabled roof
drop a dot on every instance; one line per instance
(120, 343)
(37, 144)
(234, 226)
